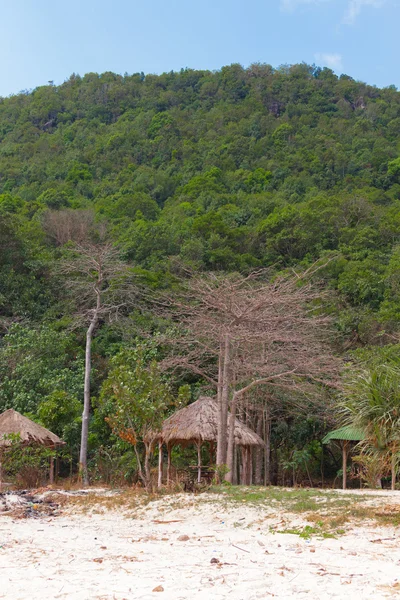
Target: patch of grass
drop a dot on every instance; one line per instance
(304, 505)
(263, 495)
(306, 532)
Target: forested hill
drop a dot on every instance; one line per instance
(227, 170)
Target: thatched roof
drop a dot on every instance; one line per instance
(198, 422)
(12, 421)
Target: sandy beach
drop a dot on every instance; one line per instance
(194, 547)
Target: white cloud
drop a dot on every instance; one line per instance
(333, 61)
(354, 8)
(291, 5)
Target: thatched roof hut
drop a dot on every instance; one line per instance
(12, 421)
(198, 423)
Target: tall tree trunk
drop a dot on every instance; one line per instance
(86, 391)
(223, 412)
(267, 450)
(86, 403)
(231, 439)
(259, 452)
(219, 399)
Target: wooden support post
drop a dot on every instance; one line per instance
(199, 461)
(344, 465)
(160, 463)
(51, 469)
(169, 448)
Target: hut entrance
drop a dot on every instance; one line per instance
(198, 424)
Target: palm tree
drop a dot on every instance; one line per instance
(372, 402)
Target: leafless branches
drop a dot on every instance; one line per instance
(77, 226)
(241, 332)
(101, 285)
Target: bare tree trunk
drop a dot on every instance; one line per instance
(259, 452)
(223, 412)
(86, 398)
(231, 439)
(219, 397)
(267, 450)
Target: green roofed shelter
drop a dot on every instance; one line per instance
(345, 434)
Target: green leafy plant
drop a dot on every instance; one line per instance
(26, 465)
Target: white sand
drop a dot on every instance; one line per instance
(115, 556)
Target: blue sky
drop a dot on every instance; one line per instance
(42, 40)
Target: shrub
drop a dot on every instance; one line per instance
(25, 465)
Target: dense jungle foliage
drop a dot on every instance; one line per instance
(226, 171)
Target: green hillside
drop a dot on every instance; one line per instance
(219, 171)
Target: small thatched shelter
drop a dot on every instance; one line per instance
(198, 423)
(12, 422)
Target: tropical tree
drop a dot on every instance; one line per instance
(372, 403)
(135, 398)
(99, 286)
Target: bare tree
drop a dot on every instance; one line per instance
(100, 284)
(240, 332)
(64, 226)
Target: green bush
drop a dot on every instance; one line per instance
(25, 465)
